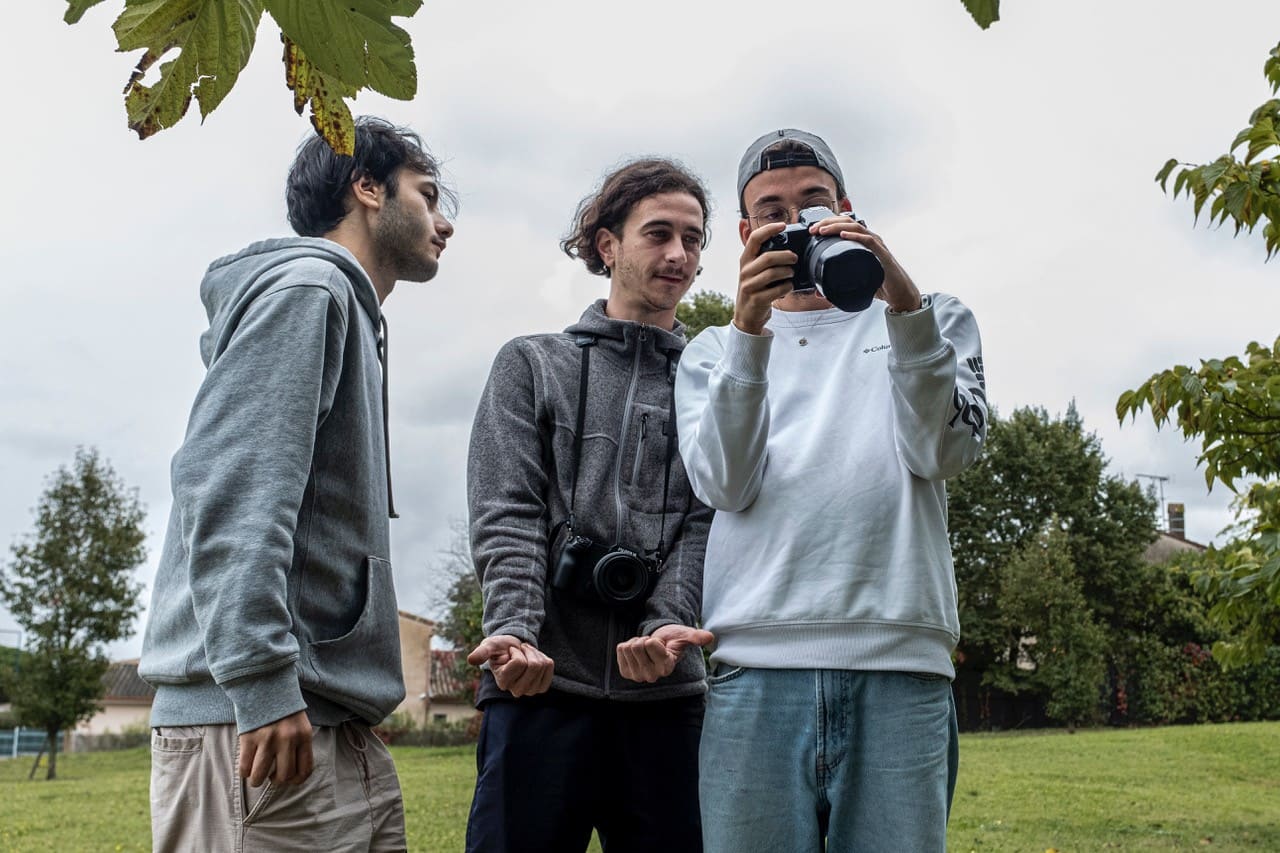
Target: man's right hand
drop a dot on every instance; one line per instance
(518, 667)
(761, 280)
(279, 751)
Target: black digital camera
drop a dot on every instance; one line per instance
(845, 272)
(615, 577)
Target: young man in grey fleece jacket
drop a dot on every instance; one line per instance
(593, 710)
(273, 637)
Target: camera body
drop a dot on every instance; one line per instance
(847, 273)
(611, 576)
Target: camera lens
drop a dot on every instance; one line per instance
(849, 274)
(620, 577)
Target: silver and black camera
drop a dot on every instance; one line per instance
(612, 576)
(846, 273)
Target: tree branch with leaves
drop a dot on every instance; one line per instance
(1245, 189)
(333, 49)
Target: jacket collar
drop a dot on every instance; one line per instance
(624, 335)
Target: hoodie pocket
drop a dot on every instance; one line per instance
(361, 669)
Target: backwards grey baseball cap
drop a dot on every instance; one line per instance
(756, 160)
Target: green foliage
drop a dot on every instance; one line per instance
(213, 38)
(984, 12)
(1232, 405)
(705, 308)
(332, 50)
(1245, 190)
(1036, 468)
(70, 586)
(1054, 646)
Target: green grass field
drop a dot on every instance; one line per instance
(1214, 788)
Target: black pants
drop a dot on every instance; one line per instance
(552, 767)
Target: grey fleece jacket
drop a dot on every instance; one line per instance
(274, 589)
(519, 475)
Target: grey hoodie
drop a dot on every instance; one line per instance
(519, 475)
(274, 590)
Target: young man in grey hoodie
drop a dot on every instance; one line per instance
(588, 543)
(273, 638)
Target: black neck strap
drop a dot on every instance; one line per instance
(585, 342)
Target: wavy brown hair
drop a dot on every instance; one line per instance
(620, 191)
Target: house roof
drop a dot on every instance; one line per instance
(1166, 546)
(413, 617)
(123, 685)
(446, 686)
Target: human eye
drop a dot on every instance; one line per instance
(771, 214)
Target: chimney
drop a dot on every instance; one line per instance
(1177, 521)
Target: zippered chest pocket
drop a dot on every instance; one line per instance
(646, 450)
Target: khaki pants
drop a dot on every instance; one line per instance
(350, 802)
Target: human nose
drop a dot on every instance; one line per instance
(444, 227)
(676, 251)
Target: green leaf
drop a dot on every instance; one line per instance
(329, 114)
(985, 12)
(353, 41)
(213, 38)
(1163, 175)
(77, 8)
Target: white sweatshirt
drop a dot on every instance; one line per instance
(823, 445)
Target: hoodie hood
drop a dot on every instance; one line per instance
(237, 279)
(625, 333)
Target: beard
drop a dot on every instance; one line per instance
(401, 244)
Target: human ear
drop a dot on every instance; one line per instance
(605, 240)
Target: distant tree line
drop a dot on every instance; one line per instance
(1063, 620)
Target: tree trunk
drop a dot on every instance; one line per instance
(53, 755)
(32, 774)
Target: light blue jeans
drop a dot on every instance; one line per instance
(865, 760)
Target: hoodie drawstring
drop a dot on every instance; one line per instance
(386, 421)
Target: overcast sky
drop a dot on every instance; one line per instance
(1012, 168)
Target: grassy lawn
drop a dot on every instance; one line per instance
(1213, 788)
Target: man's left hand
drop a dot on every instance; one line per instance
(898, 289)
(646, 659)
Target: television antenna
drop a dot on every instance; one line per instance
(1157, 483)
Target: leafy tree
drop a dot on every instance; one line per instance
(1246, 191)
(1036, 469)
(1054, 647)
(332, 50)
(702, 309)
(70, 585)
(1232, 405)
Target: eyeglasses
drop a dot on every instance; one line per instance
(768, 214)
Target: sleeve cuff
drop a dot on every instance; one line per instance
(914, 335)
(746, 357)
(264, 698)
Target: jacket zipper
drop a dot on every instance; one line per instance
(622, 439)
(644, 429)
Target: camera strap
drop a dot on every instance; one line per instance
(584, 343)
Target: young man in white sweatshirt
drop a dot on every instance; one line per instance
(823, 437)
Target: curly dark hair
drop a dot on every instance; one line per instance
(620, 191)
(316, 191)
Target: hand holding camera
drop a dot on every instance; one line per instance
(897, 289)
(762, 278)
(841, 269)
